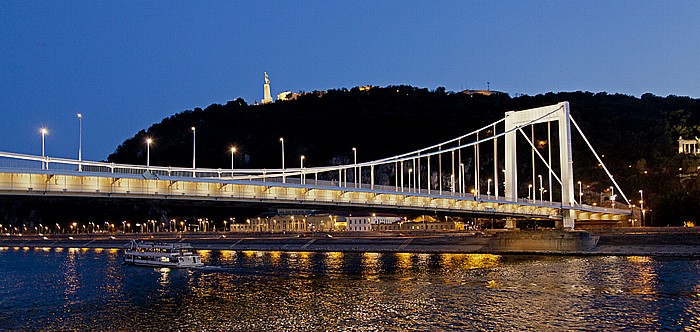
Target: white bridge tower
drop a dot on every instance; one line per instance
(560, 114)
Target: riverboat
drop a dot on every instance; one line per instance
(161, 254)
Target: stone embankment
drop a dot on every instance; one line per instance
(627, 242)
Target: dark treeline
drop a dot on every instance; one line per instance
(637, 137)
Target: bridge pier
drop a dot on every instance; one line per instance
(567, 222)
(510, 223)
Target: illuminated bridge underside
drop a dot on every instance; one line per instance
(44, 183)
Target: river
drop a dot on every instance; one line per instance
(90, 290)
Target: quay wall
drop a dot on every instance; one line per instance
(668, 243)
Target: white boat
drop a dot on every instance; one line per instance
(161, 254)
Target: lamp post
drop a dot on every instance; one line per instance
(194, 151)
(541, 187)
(410, 189)
(233, 152)
(354, 152)
(301, 166)
(80, 142)
(529, 189)
(488, 188)
(283, 177)
(461, 180)
(580, 194)
(44, 131)
(148, 151)
(612, 196)
(641, 204)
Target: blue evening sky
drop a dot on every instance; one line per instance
(127, 64)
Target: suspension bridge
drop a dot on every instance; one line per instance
(447, 177)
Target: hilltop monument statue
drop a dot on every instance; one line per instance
(267, 97)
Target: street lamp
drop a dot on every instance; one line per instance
(410, 170)
(233, 152)
(580, 194)
(194, 150)
(461, 179)
(354, 152)
(541, 187)
(80, 142)
(612, 196)
(488, 188)
(148, 151)
(301, 162)
(283, 176)
(641, 204)
(44, 131)
(529, 188)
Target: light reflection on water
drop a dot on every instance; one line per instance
(79, 289)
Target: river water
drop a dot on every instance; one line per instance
(90, 290)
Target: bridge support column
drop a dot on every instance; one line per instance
(510, 223)
(567, 222)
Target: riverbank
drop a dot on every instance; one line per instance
(678, 242)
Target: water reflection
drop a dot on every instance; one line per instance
(334, 260)
(249, 291)
(164, 279)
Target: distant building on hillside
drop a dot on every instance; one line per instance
(482, 92)
(688, 146)
(287, 95)
(367, 87)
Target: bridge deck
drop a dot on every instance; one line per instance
(315, 193)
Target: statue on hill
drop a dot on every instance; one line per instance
(267, 97)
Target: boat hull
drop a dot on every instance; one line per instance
(157, 254)
(150, 263)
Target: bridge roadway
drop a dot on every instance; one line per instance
(313, 194)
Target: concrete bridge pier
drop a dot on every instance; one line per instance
(567, 222)
(510, 223)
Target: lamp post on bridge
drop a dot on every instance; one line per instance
(80, 142)
(194, 151)
(410, 171)
(612, 196)
(148, 151)
(541, 187)
(301, 167)
(488, 188)
(44, 131)
(580, 194)
(354, 152)
(461, 180)
(529, 189)
(283, 177)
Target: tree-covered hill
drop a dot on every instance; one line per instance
(637, 137)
